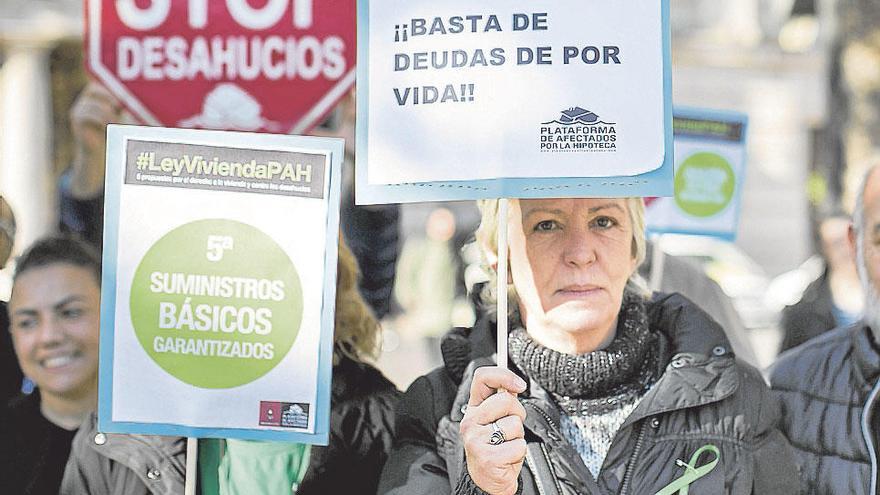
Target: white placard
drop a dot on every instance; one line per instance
(219, 282)
(458, 91)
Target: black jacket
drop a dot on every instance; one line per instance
(361, 432)
(33, 450)
(825, 387)
(703, 397)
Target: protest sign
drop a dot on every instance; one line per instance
(569, 98)
(277, 67)
(710, 165)
(218, 284)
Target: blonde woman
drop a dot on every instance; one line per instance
(610, 391)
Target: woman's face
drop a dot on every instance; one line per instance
(55, 317)
(570, 260)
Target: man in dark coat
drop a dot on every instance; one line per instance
(828, 387)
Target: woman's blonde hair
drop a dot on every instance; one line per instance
(487, 240)
(357, 332)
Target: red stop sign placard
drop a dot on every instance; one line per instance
(253, 65)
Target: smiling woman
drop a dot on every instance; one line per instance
(54, 319)
(611, 388)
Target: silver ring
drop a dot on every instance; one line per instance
(497, 437)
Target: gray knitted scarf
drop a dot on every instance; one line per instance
(598, 381)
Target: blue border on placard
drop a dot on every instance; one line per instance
(724, 116)
(725, 236)
(112, 189)
(658, 182)
(116, 138)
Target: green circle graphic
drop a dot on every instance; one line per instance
(704, 184)
(244, 298)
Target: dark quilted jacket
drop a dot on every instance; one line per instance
(823, 387)
(703, 397)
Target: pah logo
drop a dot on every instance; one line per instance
(284, 414)
(295, 415)
(578, 130)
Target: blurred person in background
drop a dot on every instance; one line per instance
(829, 386)
(428, 266)
(612, 391)
(82, 184)
(688, 279)
(371, 231)
(54, 312)
(835, 298)
(361, 428)
(10, 372)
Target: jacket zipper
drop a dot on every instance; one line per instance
(539, 482)
(630, 467)
(552, 424)
(544, 415)
(552, 471)
(869, 437)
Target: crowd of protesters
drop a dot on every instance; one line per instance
(612, 387)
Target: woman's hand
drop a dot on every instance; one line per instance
(494, 468)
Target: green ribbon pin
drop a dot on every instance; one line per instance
(692, 472)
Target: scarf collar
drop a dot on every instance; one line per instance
(599, 380)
